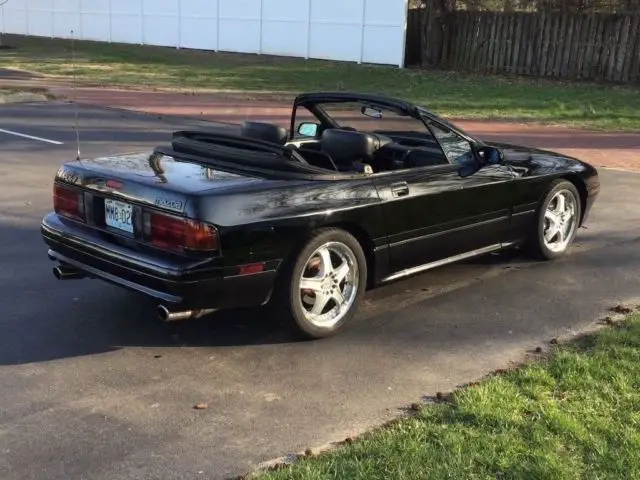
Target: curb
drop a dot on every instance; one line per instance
(23, 97)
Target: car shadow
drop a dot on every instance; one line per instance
(46, 319)
(104, 318)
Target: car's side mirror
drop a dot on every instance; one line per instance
(483, 156)
(308, 129)
(489, 156)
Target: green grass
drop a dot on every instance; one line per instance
(7, 92)
(574, 415)
(450, 94)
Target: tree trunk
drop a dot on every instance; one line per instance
(434, 20)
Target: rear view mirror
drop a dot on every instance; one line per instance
(308, 129)
(371, 112)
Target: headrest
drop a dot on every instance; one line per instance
(264, 131)
(346, 146)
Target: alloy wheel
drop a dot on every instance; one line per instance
(329, 284)
(560, 221)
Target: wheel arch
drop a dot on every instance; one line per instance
(360, 233)
(366, 242)
(581, 186)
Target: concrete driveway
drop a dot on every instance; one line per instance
(94, 387)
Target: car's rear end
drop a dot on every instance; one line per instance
(141, 222)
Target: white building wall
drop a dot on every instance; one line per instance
(371, 31)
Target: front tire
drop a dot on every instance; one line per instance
(557, 222)
(320, 291)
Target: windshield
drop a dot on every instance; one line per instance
(433, 117)
(368, 117)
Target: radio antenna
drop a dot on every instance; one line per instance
(75, 101)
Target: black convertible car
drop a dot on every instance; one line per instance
(359, 191)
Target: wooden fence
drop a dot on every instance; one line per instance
(570, 46)
(415, 36)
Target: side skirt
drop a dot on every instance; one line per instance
(445, 261)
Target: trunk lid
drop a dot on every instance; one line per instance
(146, 200)
(151, 179)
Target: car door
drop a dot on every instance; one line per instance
(432, 213)
(486, 202)
(421, 208)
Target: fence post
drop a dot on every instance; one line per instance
(261, 26)
(2, 4)
(110, 13)
(26, 14)
(403, 33)
(179, 42)
(362, 31)
(310, 3)
(141, 22)
(444, 48)
(218, 25)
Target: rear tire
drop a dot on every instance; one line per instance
(320, 289)
(557, 222)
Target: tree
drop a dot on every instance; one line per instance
(433, 25)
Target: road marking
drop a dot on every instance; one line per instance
(46, 140)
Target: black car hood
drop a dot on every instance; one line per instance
(538, 159)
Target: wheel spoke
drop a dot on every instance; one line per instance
(325, 255)
(338, 297)
(551, 233)
(320, 303)
(342, 271)
(561, 204)
(313, 284)
(567, 230)
(552, 217)
(562, 234)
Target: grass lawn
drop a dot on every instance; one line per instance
(453, 95)
(574, 415)
(16, 92)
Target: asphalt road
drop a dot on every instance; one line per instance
(93, 386)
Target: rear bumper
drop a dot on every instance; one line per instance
(184, 283)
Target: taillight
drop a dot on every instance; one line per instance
(180, 234)
(68, 202)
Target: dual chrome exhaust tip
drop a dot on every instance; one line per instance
(66, 272)
(167, 315)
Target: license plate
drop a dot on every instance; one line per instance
(118, 215)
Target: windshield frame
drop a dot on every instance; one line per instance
(428, 115)
(313, 103)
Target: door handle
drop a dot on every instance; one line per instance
(400, 189)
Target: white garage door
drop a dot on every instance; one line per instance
(371, 31)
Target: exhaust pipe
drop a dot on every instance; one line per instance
(168, 316)
(65, 272)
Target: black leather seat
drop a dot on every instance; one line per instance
(318, 159)
(349, 150)
(266, 132)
